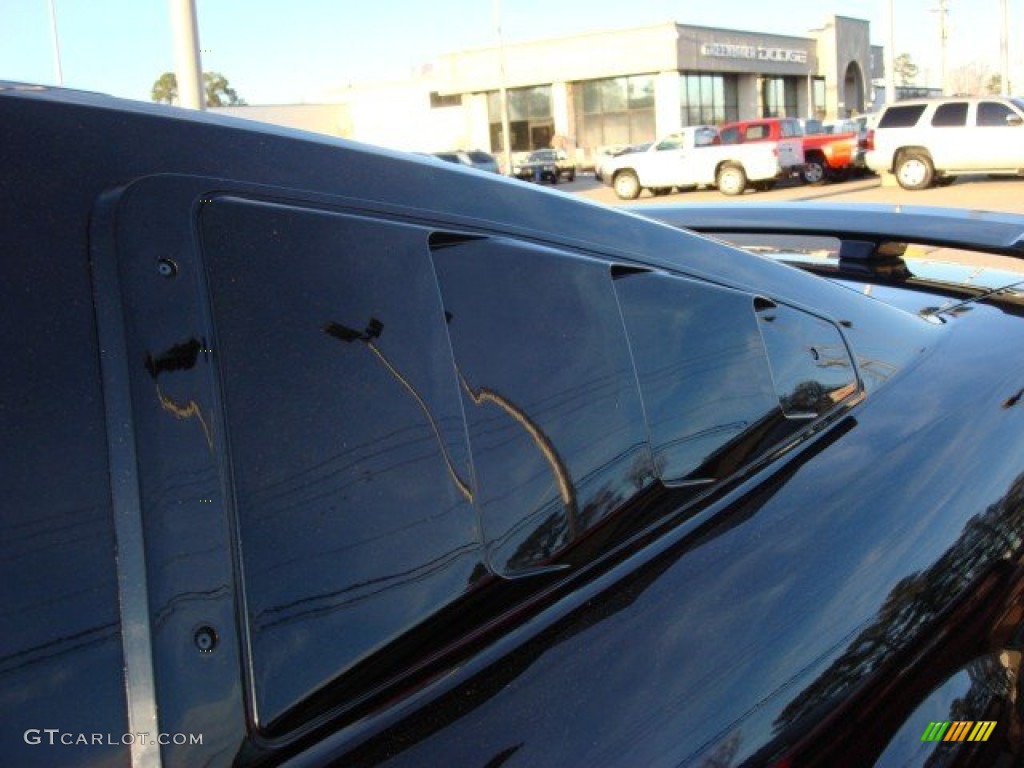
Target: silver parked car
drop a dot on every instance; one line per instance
(473, 158)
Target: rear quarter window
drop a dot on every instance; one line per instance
(901, 117)
(725, 375)
(554, 417)
(791, 129)
(703, 373)
(993, 114)
(349, 458)
(755, 133)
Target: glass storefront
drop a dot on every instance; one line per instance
(618, 110)
(818, 96)
(531, 124)
(778, 97)
(708, 99)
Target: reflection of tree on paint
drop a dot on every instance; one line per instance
(724, 754)
(806, 397)
(555, 533)
(918, 600)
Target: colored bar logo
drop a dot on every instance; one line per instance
(960, 730)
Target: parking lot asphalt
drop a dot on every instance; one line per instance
(975, 193)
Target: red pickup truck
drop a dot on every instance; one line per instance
(827, 156)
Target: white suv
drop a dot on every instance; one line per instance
(925, 141)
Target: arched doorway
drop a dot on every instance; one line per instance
(853, 89)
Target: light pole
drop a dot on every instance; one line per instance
(890, 55)
(942, 10)
(1004, 50)
(56, 44)
(186, 54)
(506, 139)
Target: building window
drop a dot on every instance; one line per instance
(438, 100)
(708, 99)
(818, 96)
(531, 125)
(778, 97)
(618, 110)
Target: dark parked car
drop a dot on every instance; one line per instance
(320, 454)
(545, 165)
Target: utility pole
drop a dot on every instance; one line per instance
(187, 65)
(506, 139)
(942, 10)
(1004, 50)
(890, 56)
(56, 44)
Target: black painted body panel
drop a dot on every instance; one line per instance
(404, 443)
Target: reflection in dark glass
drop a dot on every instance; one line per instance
(369, 336)
(61, 637)
(344, 422)
(555, 422)
(810, 363)
(703, 373)
(937, 627)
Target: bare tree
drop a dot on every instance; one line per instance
(968, 79)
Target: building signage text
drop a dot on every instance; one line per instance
(755, 52)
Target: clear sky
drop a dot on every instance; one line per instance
(283, 51)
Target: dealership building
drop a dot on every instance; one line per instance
(611, 87)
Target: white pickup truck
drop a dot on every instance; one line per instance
(695, 157)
